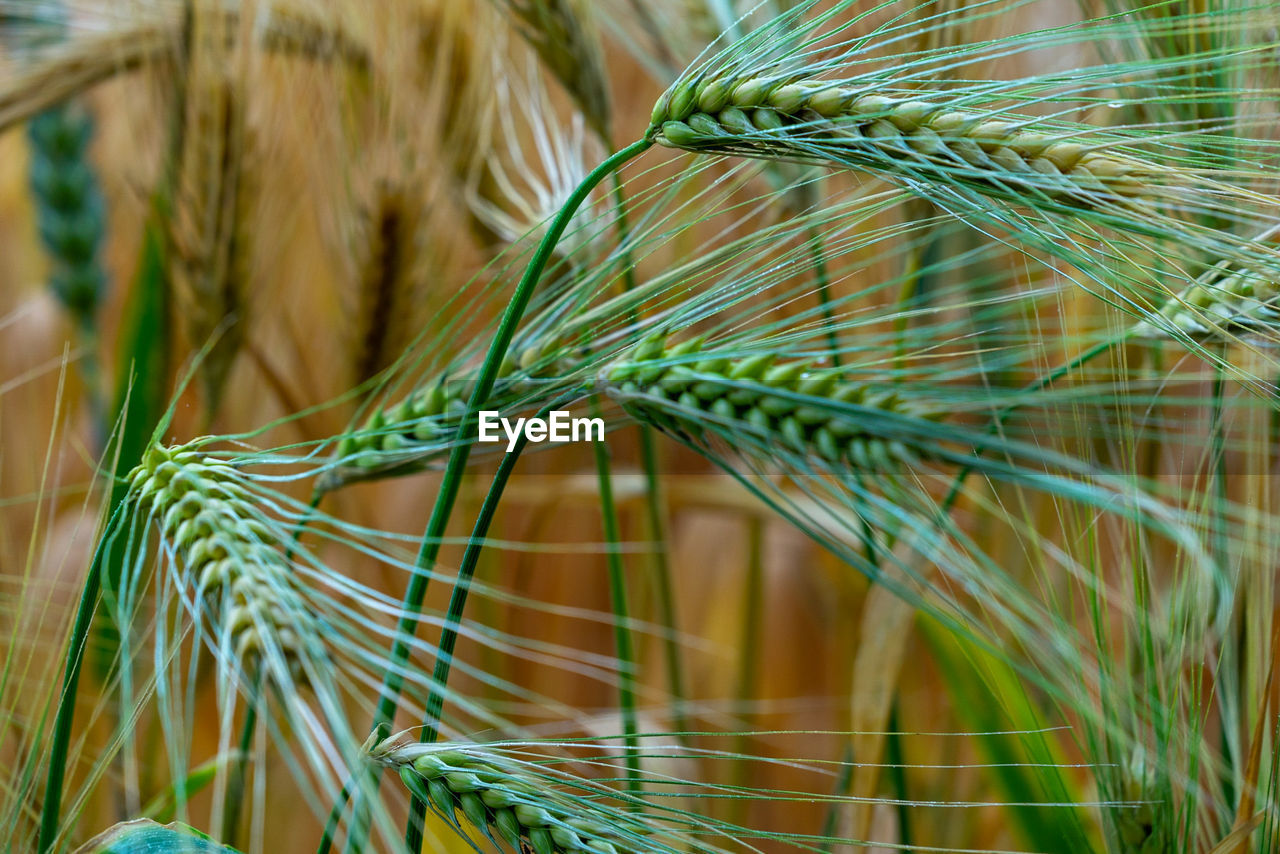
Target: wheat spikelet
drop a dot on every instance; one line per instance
(685, 389)
(557, 30)
(504, 802)
(408, 434)
(211, 522)
(70, 208)
(1222, 302)
(811, 120)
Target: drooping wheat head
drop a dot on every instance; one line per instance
(71, 215)
(233, 559)
(685, 387)
(1222, 303)
(904, 134)
(118, 44)
(1000, 152)
(390, 280)
(505, 803)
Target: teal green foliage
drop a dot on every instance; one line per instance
(147, 837)
(69, 207)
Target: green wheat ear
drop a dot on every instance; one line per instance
(909, 134)
(505, 802)
(69, 207)
(408, 435)
(688, 388)
(210, 520)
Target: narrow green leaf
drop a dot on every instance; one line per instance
(1010, 733)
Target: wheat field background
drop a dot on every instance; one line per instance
(936, 344)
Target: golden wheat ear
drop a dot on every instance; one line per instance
(564, 37)
(123, 44)
(210, 230)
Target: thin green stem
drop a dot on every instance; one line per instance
(898, 775)
(1221, 551)
(823, 281)
(653, 499)
(457, 604)
(624, 231)
(662, 577)
(623, 645)
(451, 482)
(235, 785)
(872, 556)
(91, 373)
(750, 633)
(844, 783)
(335, 817)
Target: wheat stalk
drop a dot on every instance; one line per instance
(684, 389)
(208, 518)
(808, 119)
(504, 801)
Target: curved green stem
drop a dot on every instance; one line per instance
(461, 452)
(416, 591)
(457, 604)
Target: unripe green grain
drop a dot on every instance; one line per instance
(499, 798)
(879, 133)
(216, 532)
(763, 397)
